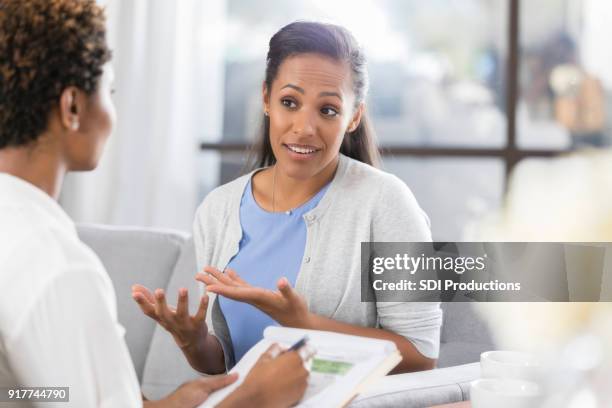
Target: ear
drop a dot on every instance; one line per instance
(71, 108)
(265, 94)
(356, 119)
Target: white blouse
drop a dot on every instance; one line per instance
(58, 317)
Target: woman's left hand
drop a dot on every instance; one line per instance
(284, 305)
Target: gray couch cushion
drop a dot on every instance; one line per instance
(456, 353)
(134, 255)
(464, 335)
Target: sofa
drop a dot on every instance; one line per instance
(166, 259)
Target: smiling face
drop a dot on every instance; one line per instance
(311, 106)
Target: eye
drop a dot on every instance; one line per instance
(329, 112)
(288, 103)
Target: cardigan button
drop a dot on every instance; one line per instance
(307, 259)
(310, 217)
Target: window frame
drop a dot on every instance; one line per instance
(510, 154)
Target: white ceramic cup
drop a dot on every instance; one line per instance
(510, 364)
(504, 393)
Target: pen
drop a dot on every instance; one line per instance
(298, 345)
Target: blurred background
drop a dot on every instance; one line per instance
(461, 91)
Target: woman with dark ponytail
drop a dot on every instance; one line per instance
(298, 219)
(334, 42)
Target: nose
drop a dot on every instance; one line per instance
(304, 123)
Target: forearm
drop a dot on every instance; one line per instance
(206, 356)
(155, 404)
(412, 359)
(163, 403)
(243, 396)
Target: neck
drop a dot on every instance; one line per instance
(40, 165)
(291, 193)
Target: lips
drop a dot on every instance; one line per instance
(301, 149)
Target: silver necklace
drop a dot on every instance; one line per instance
(288, 212)
(273, 188)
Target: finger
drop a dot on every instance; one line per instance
(206, 279)
(220, 276)
(256, 296)
(307, 352)
(272, 352)
(215, 383)
(290, 358)
(144, 291)
(146, 307)
(201, 313)
(182, 306)
(286, 290)
(161, 307)
(235, 277)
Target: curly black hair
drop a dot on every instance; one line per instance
(45, 47)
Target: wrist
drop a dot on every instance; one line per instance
(244, 395)
(195, 344)
(168, 402)
(195, 352)
(307, 321)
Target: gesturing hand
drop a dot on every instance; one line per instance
(188, 331)
(284, 305)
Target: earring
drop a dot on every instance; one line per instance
(74, 125)
(266, 114)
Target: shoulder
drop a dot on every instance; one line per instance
(27, 231)
(221, 199)
(366, 180)
(63, 253)
(45, 261)
(384, 199)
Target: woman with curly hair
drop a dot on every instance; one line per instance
(58, 318)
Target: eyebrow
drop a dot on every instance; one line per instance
(297, 88)
(336, 94)
(302, 91)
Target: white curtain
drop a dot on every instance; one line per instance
(168, 61)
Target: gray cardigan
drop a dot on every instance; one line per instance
(361, 204)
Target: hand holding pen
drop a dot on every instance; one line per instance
(278, 378)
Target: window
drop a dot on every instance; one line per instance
(461, 90)
(566, 74)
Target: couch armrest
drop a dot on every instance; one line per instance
(421, 389)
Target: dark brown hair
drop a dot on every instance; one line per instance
(332, 41)
(45, 47)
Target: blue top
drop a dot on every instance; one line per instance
(272, 246)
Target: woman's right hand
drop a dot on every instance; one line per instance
(188, 331)
(276, 380)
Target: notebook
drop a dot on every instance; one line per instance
(342, 367)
